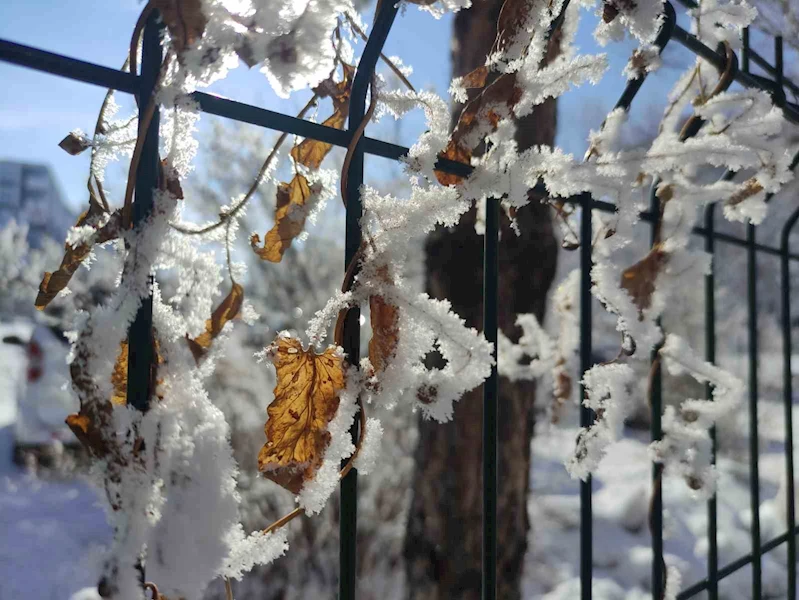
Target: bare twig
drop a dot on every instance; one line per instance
(356, 136)
(224, 217)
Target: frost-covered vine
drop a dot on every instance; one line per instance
(168, 473)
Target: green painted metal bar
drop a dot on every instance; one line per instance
(787, 391)
(736, 565)
(490, 398)
(656, 433)
(754, 451)
(364, 76)
(586, 414)
(141, 353)
(710, 356)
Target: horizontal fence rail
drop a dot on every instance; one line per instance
(142, 85)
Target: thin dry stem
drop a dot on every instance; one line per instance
(134, 39)
(356, 136)
(389, 63)
(224, 217)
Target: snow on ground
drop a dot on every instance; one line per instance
(52, 532)
(622, 555)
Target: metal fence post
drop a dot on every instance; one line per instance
(490, 396)
(710, 356)
(141, 355)
(656, 433)
(348, 520)
(787, 390)
(141, 351)
(586, 414)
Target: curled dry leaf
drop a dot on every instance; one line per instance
(292, 197)
(476, 79)
(95, 414)
(384, 318)
(290, 213)
(227, 310)
(306, 400)
(95, 417)
(119, 376)
(639, 279)
(168, 181)
(612, 8)
(750, 187)
(385, 332)
(312, 152)
(53, 283)
(74, 143)
(184, 19)
(495, 102)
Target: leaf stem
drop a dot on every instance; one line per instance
(224, 217)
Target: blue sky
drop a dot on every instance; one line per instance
(37, 109)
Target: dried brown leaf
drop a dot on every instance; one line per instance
(749, 188)
(384, 317)
(53, 283)
(312, 152)
(74, 143)
(184, 19)
(290, 213)
(476, 79)
(639, 279)
(169, 181)
(227, 310)
(306, 400)
(496, 101)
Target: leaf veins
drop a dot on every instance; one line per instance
(306, 400)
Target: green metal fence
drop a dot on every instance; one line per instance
(140, 348)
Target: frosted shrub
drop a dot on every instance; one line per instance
(168, 474)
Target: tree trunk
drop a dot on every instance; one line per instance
(443, 537)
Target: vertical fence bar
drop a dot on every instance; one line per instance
(656, 433)
(751, 304)
(348, 515)
(787, 350)
(586, 414)
(787, 391)
(490, 394)
(754, 473)
(710, 356)
(140, 347)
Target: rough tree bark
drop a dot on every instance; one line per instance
(443, 537)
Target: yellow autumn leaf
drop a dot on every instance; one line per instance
(227, 310)
(290, 214)
(311, 152)
(306, 400)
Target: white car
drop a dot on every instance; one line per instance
(36, 360)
